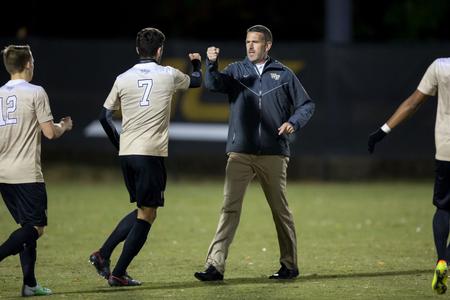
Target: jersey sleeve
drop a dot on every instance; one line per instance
(112, 102)
(42, 106)
(429, 83)
(181, 81)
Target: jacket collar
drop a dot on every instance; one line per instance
(270, 64)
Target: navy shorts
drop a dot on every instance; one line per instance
(145, 178)
(441, 196)
(27, 202)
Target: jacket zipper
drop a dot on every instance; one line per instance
(260, 107)
(260, 113)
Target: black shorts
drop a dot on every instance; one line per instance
(145, 178)
(27, 202)
(441, 196)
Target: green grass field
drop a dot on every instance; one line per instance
(356, 241)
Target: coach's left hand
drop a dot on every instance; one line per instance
(286, 127)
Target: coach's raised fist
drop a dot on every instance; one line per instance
(212, 53)
(193, 56)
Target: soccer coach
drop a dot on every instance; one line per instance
(267, 105)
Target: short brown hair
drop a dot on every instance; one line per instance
(148, 40)
(15, 58)
(262, 29)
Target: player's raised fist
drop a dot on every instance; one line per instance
(212, 53)
(193, 56)
(66, 123)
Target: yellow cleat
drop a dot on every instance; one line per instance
(439, 283)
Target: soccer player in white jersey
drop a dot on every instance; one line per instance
(435, 80)
(24, 114)
(143, 93)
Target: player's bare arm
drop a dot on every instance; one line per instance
(55, 130)
(403, 112)
(407, 108)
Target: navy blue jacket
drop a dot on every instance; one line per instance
(259, 104)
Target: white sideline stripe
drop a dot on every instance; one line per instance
(177, 131)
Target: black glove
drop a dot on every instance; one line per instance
(374, 138)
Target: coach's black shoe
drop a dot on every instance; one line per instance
(124, 280)
(100, 264)
(210, 274)
(284, 273)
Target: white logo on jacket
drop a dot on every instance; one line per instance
(275, 76)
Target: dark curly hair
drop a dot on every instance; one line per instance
(148, 40)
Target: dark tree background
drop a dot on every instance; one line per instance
(381, 20)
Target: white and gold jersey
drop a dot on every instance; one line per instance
(144, 95)
(437, 79)
(23, 106)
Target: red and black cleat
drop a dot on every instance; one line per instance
(124, 280)
(100, 264)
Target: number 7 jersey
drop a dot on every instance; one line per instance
(144, 94)
(23, 106)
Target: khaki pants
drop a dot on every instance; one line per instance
(271, 172)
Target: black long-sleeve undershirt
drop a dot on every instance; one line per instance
(105, 119)
(196, 76)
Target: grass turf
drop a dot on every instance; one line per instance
(355, 240)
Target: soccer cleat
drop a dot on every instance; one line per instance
(28, 291)
(124, 280)
(439, 283)
(284, 273)
(210, 274)
(100, 264)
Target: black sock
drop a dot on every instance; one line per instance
(441, 230)
(14, 244)
(133, 244)
(28, 261)
(118, 235)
